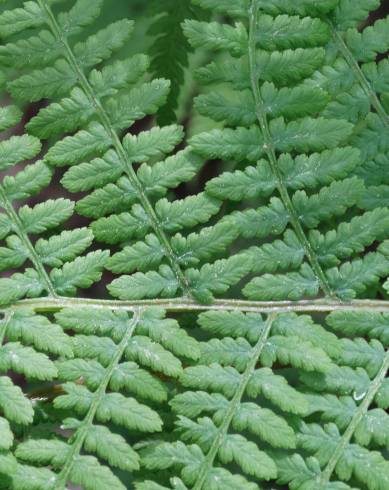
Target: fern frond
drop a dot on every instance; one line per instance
(280, 197)
(170, 50)
(249, 63)
(27, 341)
(228, 369)
(99, 109)
(20, 224)
(338, 453)
(357, 82)
(100, 397)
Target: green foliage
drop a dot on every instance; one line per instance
(169, 51)
(272, 58)
(196, 306)
(281, 416)
(97, 391)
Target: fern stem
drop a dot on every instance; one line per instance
(49, 305)
(360, 76)
(128, 169)
(270, 152)
(82, 431)
(358, 416)
(233, 405)
(33, 256)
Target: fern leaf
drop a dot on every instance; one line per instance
(51, 82)
(39, 49)
(294, 352)
(232, 324)
(41, 477)
(150, 485)
(348, 14)
(373, 40)
(100, 45)
(14, 21)
(146, 99)
(353, 277)
(153, 143)
(154, 356)
(63, 117)
(118, 75)
(303, 327)
(45, 215)
(217, 36)
(174, 170)
(186, 213)
(296, 471)
(20, 285)
(293, 285)
(38, 331)
(13, 403)
(7, 437)
(79, 16)
(360, 232)
(9, 116)
(64, 247)
(276, 389)
(266, 220)
(300, 7)
(84, 143)
(112, 197)
(26, 361)
(363, 324)
(169, 50)
(113, 407)
(14, 255)
(140, 256)
(17, 149)
(204, 245)
(375, 477)
(280, 196)
(225, 6)
(151, 284)
(286, 253)
(5, 225)
(331, 200)
(245, 143)
(80, 273)
(109, 446)
(96, 173)
(204, 431)
(217, 277)
(28, 182)
(283, 32)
